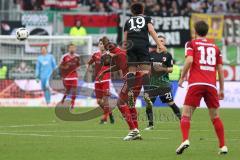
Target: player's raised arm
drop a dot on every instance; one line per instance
(154, 35)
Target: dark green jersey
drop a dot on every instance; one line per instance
(160, 79)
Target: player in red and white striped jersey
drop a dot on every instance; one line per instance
(204, 60)
(69, 64)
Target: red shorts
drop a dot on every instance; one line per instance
(102, 89)
(68, 84)
(197, 92)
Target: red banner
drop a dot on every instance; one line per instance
(110, 20)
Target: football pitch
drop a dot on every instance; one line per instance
(36, 134)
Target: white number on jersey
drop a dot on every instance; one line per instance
(140, 23)
(211, 55)
(168, 95)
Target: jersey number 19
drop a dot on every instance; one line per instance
(140, 22)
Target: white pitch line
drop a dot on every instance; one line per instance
(28, 125)
(68, 136)
(57, 136)
(106, 130)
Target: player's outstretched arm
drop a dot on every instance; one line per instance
(112, 68)
(186, 67)
(154, 35)
(159, 68)
(221, 81)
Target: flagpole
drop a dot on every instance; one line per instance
(124, 16)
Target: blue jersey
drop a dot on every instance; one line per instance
(45, 66)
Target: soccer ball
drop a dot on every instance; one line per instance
(22, 34)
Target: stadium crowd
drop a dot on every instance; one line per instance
(153, 7)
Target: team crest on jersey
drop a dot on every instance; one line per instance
(164, 59)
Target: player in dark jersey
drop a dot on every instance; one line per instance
(160, 84)
(136, 32)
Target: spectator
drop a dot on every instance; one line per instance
(3, 71)
(78, 29)
(31, 4)
(164, 11)
(186, 11)
(196, 6)
(174, 9)
(156, 11)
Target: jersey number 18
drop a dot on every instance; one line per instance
(210, 59)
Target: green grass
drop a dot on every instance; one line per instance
(35, 133)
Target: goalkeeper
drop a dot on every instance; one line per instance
(45, 65)
(162, 64)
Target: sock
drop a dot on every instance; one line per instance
(47, 96)
(185, 126)
(73, 101)
(146, 83)
(124, 109)
(149, 113)
(176, 110)
(134, 115)
(219, 129)
(130, 81)
(106, 113)
(63, 99)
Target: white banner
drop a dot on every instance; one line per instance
(231, 100)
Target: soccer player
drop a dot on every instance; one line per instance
(136, 32)
(69, 64)
(45, 65)
(101, 88)
(204, 60)
(119, 62)
(162, 64)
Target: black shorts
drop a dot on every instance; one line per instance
(138, 55)
(163, 93)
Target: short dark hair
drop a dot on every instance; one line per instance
(70, 44)
(104, 39)
(137, 8)
(201, 28)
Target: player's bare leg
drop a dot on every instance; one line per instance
(219, 129)
(185, 127)
(108, 110)
(65, 95)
